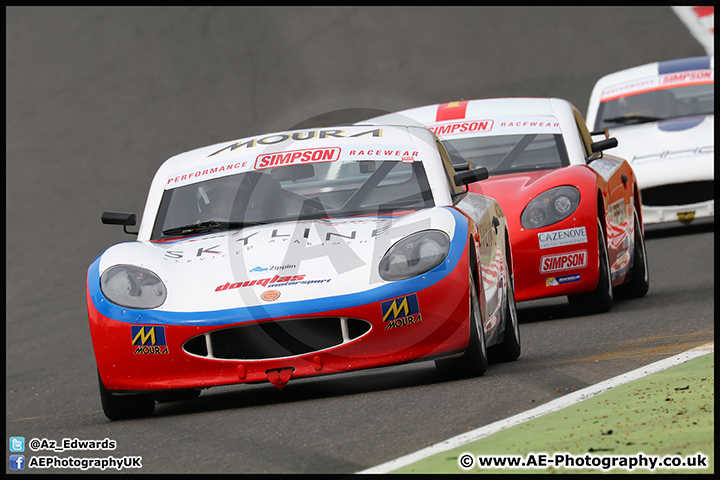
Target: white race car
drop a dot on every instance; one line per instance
(296, 254)
(662, 115)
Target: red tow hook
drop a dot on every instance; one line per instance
(280, 376)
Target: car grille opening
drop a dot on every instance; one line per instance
(678, 194)
(277, 339)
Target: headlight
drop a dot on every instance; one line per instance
(414, 255)
(133, 287)
(550, 207)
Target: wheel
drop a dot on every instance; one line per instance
(119, 407)
(474, 361)
(509, 348)
(639, 276)
(601, 299)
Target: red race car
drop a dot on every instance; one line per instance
(573, 213)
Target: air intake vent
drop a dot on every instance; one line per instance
(678, 194)
(277, 339)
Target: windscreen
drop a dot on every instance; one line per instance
(293, 192)
(510, 153)
(656, 105)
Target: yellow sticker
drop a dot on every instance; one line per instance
(686, 217)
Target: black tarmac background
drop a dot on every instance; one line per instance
(98, 97)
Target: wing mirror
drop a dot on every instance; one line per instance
(604, 144)
(598, 147)
(119, 218)
(471, 176)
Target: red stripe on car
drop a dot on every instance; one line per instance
(451, 111)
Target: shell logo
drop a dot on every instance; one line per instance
(270, 295)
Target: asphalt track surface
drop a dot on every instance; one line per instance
(97, 98)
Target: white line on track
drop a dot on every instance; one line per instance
(549, 407)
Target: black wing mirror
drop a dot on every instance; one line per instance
(604, 144)
(119, 218)
(471, 176)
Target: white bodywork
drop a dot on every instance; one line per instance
(240, 155)
(668, 152)
(314, 259)
(322, 258)
(496, 116)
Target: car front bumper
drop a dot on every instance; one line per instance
(675, 213)
(141, 356)
(543, 271)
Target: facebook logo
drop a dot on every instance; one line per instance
(17, 462)
(17, 444)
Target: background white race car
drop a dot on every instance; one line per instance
(662, 115)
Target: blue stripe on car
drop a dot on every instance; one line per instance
(259, 312)
(681, 124)
(683, 64)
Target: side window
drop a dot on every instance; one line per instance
(584, 133)
(449, 170)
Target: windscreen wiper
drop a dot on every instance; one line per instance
(632, 119)
(202, 227)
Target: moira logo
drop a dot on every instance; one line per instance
(399, 308)
(149, 340)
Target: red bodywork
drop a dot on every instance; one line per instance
(515, 191)
(444, 329)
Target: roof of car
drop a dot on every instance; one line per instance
(659, 68)
(248, 150)
(653, 75)
(326, 144)
(474, 109)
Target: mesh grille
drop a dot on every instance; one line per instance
(678, 194)
(276, 339)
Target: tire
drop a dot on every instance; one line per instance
(601, 299)
(120, 407)
(474, 362)
(509, 348)
(639, 282)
